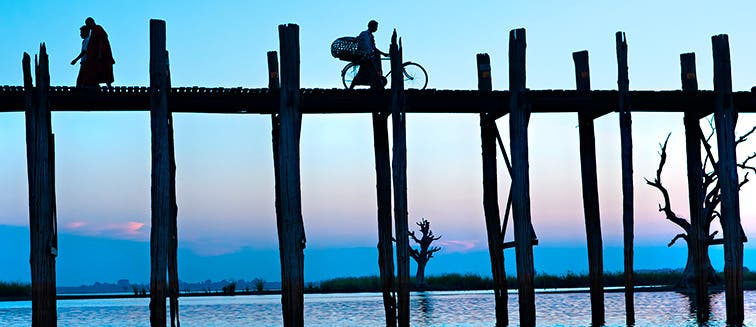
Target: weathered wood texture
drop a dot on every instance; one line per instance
(518, 134)
(699, 230)
(399, 170)
(725, 117)
(590, 193)
(336, 101)
(291, 234)
(173, 280)
(626, 144)
(40, 156)
(383, 199)
(491, 196)
(163, 174)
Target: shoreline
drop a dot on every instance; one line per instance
(639, 289)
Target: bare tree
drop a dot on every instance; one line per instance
(425, 253)
(712, 198)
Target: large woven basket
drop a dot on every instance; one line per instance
(345, 48)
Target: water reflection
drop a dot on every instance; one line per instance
(704, 316)
(436, 309)
(425, 308)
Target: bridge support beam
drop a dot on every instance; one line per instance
(399, 170)
(725, 117)
(163, 237)
(383, 193)
(590, 192)
(699, 231)
(490, 196)
(40, 156)
(291, 234)
(518, 131)
(626, 145)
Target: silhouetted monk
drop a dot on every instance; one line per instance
(99, 53)
(371, 72)
(87, 74)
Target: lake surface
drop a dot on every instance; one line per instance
(366, 309)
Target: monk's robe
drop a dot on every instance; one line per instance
(100, 55)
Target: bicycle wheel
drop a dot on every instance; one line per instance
(415, 76)
(348, 73)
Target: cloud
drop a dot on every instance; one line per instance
(130, 230)
(457, 245)
(75, 225)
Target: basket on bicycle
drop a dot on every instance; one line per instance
(345, 48)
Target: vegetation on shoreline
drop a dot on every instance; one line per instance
(15, 289)
(445, 282)
(460, 282)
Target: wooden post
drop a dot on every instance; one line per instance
(163, 173)
(725, 116)
(273, 81)
(41, 175)
(383, 193)
(518, 134)
(491, 196)
(399, 169)
(383, 199)
(291, 234)
(173, 280)
(626, 141)
(590, 192)
(699, 231)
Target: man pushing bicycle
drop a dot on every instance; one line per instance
(371, 72)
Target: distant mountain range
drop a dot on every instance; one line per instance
(84, 260)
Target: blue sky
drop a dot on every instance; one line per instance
(224, 176)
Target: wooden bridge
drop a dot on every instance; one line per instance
(286, 102)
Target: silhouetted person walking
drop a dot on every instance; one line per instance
(98, 53)
(370, 72)
(87, 75)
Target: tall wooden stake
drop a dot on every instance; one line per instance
(491, 196)
(173, 281)
(626, 140)
(590, 192)
(383, 193)
(518, 131)
(163, 175)
(291, 234)
(40, 156)
(725, 117)
(399, 169)
(699, 231)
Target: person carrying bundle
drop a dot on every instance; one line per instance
(371, 72)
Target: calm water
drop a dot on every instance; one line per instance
(366, 309)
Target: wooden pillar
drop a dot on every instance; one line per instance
(699, 230)
(590, 192)
(40, 156)
(626, 141)
(163, 174)
(291, 234)
(491, 196)
(383, 193)
(399, 169)
(725, 116)
(173, 280)
(273, 81)
(518, 134)
(383, 199)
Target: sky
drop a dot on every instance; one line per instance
(224, 162)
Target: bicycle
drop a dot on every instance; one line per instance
(415, 75)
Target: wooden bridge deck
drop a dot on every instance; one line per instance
(335, 101)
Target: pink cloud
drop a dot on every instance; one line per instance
(131, 230)
(457, 245)
(76, 225)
